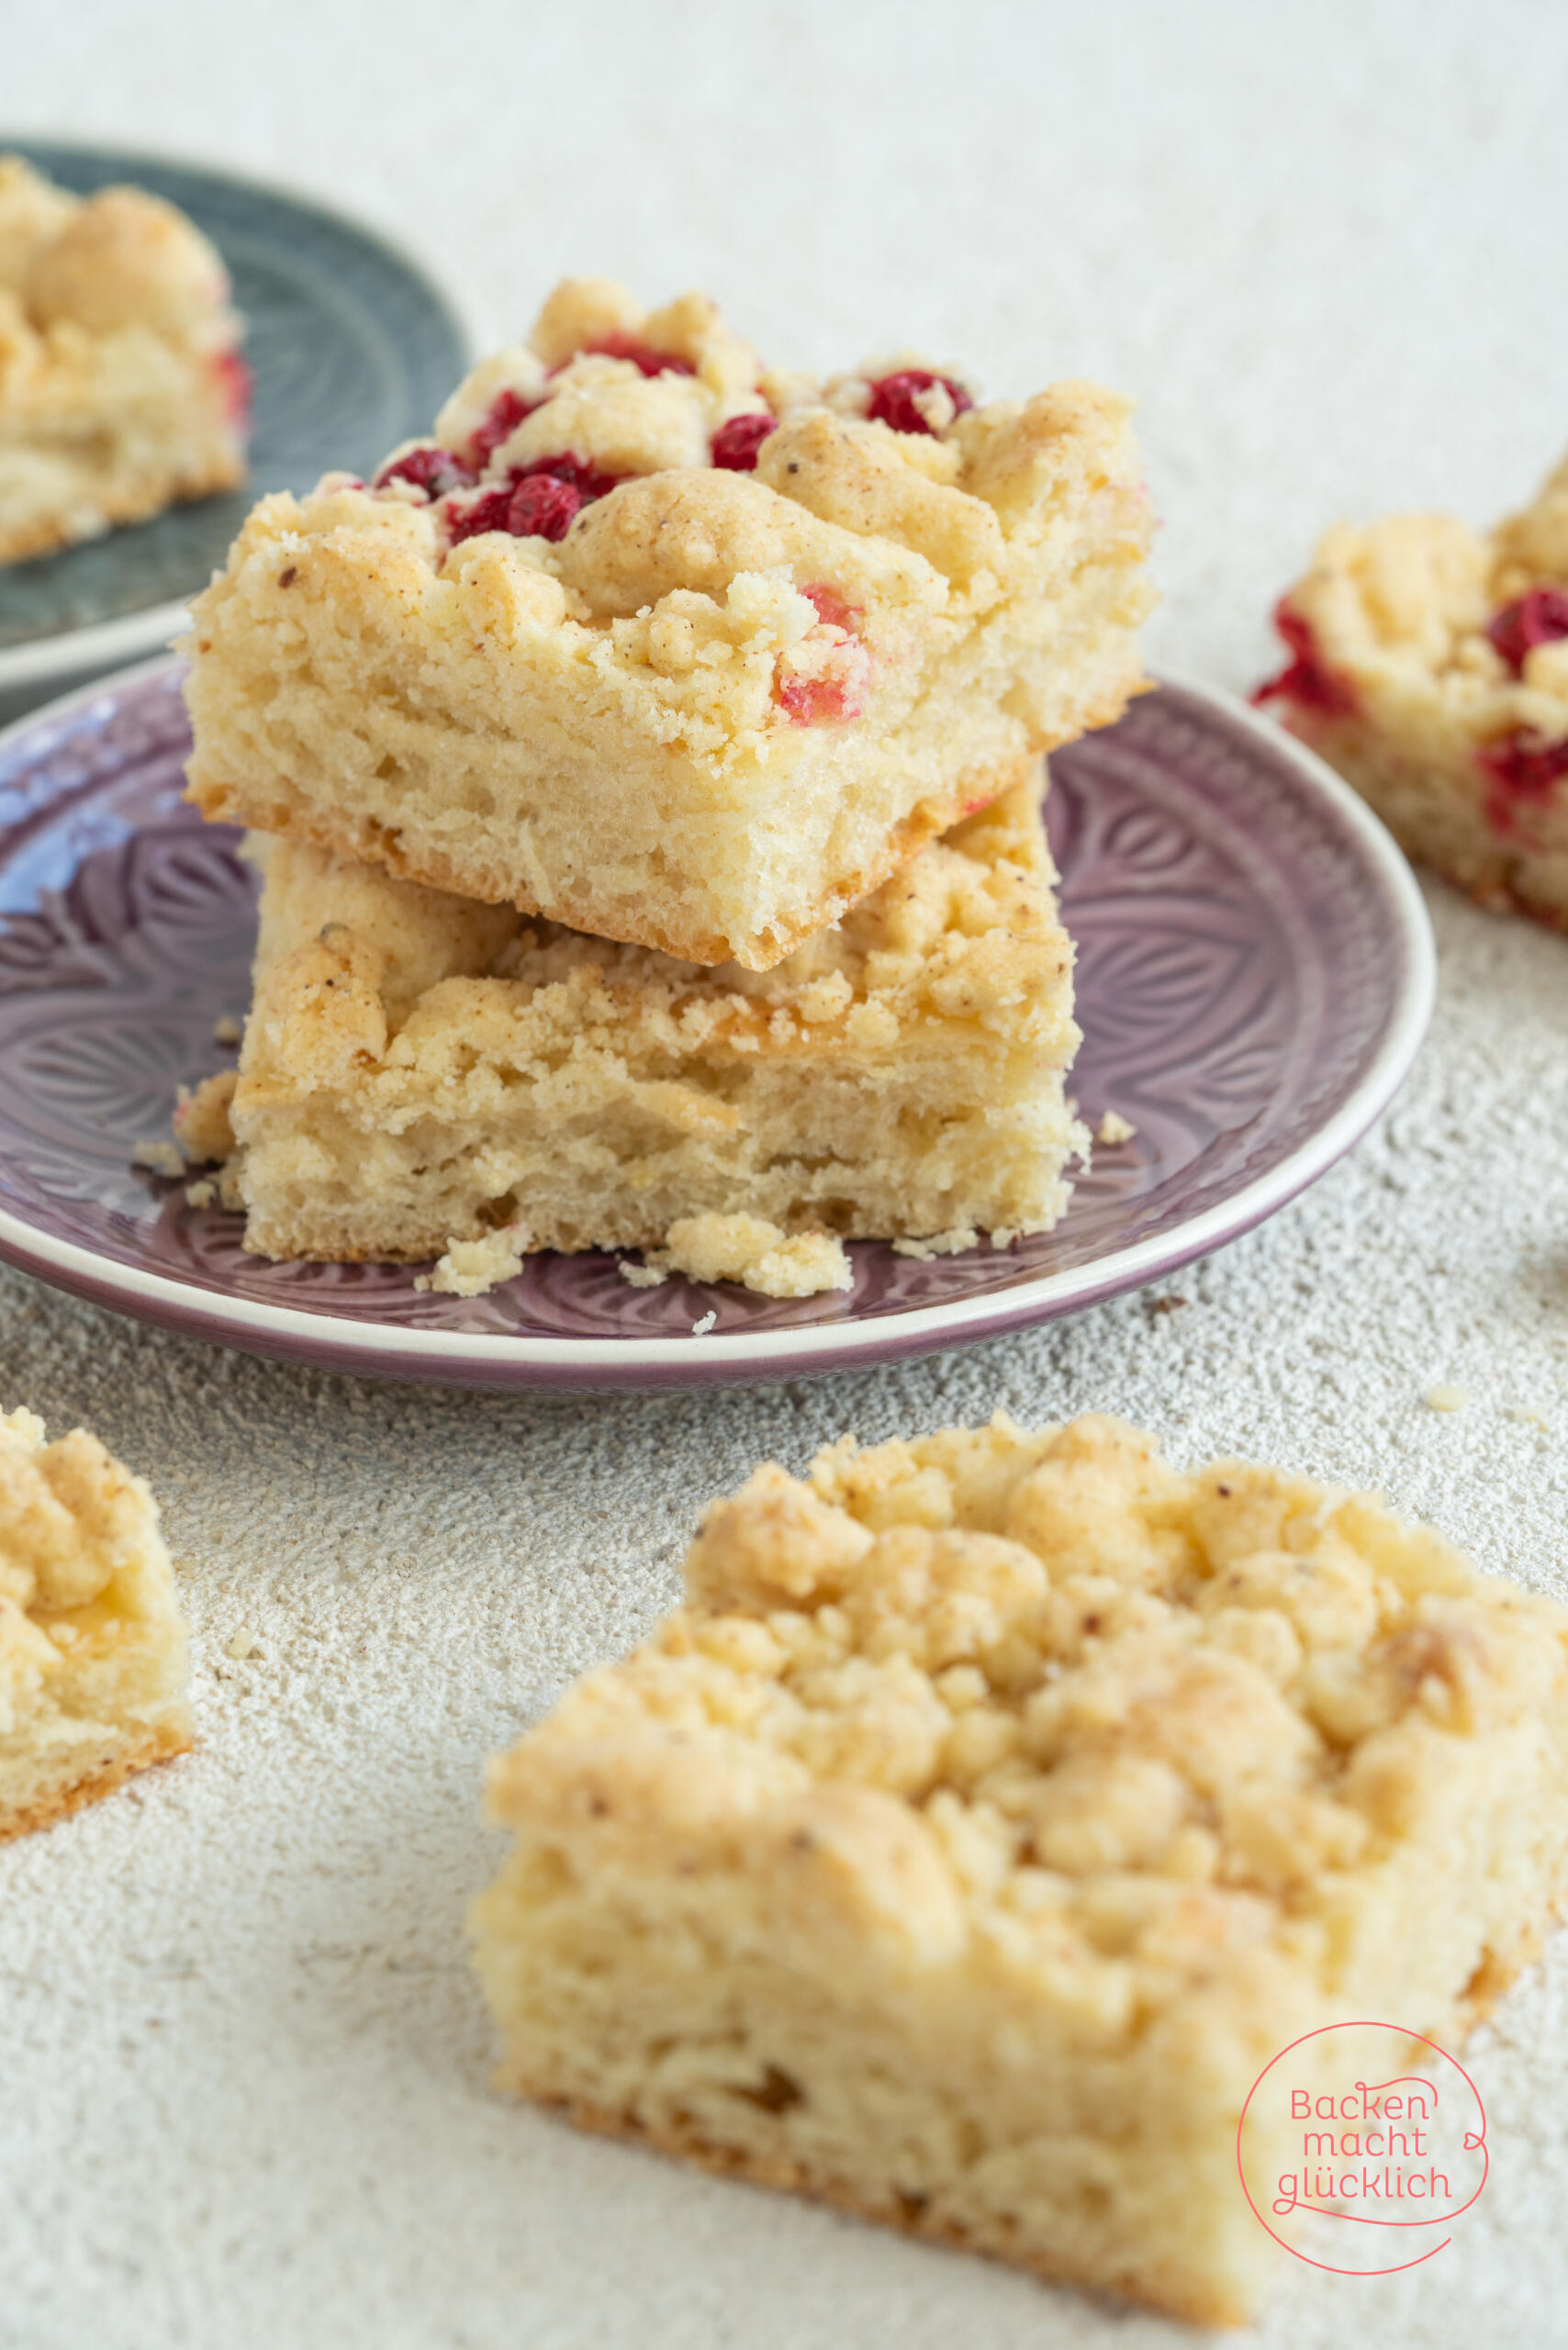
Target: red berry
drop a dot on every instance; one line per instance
(506, 412)
(431, 469)
(1540, 618)
(541, 500)
(486, 513)
(739, 438)
(839, 692)
(1307, 680)
(831, 608)
(893, 398)
(544, 507)
(237, 384)
(1523, 771)
(641, 354)
(823, 702)
(576, 470)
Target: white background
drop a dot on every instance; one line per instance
(243, 2067)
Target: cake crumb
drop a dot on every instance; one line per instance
(226, 1031)
(642, 1276)
(201, 1118)
(700, 1329)
(201, 1195)
(162, 1157)
(474, 1267)
(1113, 1128)
(962, 1236)
(759, 1255)
(1446, 1399)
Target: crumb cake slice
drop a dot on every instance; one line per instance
(1430, 664)
(668, 646)
(995, 1808)
(419, 1068)
(93, 1664)
(122, 389)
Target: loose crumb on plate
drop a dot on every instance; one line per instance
(962, 1238)
(642, 1276)
(700, 1329)
(472, 1268)
(202, 1193)
(162, 1157)
(226, 1031)
(759, 1255)
(1113, 1128)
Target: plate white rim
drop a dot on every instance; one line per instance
(101, 643)
(390, 1349)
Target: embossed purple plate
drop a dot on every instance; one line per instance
(1255, 971)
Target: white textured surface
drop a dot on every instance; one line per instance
(243, 2067)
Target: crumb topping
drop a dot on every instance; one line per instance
(1108, 1710)
(752, 543)
(76, 270)
(71, 1519)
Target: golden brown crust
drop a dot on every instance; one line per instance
(900, 2212)
(161, 1745)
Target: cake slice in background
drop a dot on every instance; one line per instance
(122, 389)
(1430, 664)
(92, 1651)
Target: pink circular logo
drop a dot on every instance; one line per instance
(1360, 2146)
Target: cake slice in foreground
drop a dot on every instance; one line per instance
(993, 1811)
(1430, 667)
(122, 389)
(92, 1663)
(418, 1069)
(666, 646)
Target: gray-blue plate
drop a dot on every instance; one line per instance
(353, 349)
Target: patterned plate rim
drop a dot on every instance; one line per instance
(475, 1359)
(102, 643)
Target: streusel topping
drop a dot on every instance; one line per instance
(71, 1517)
(1140, 1713)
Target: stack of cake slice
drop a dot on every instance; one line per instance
(652, 759)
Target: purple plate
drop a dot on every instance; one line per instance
(1255, 972)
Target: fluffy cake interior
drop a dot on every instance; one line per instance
(724, 704)
(1431, 668)
(995, 1808)
(92, 1652)
(120, 386)
(419, 1067)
